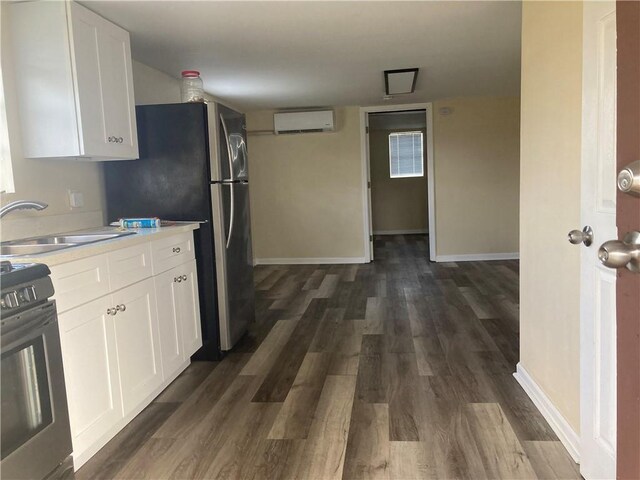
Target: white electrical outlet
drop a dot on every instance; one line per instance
(76, 199)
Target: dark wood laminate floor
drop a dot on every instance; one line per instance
(397, 369)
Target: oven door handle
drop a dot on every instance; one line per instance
(29, 328)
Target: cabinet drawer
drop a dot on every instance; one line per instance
(129, 265)
(80, 281)
(172, 251)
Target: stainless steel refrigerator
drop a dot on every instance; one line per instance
(231, 224)
(194, 166)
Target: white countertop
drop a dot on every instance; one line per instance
(70, 254)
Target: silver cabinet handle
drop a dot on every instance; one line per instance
(120, 140)
(184, 277)
(121, 308)
(111, 311)
(625, 253)
(585, 236)
(176, 250)
(177, 279)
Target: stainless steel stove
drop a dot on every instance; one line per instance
(35, 422)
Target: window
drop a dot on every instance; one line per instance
(405, 155)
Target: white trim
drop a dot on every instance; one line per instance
(364, 169)
(309, 261)
(401, 232)
(567, 435)
(364, 155)
(477, 257)
(431, 185)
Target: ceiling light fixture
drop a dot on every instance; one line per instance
(400, 82)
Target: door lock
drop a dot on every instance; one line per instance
(625, 253)
(629, 179)
(585, 236)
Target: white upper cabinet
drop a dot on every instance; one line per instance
(75, 84)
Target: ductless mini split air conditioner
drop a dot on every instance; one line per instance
(304, 122)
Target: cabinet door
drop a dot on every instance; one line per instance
(190, 309)
(114, 53)
(169, 322)
(87, 338)
(137, 343)
(102, 63)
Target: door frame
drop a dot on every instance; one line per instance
(628, 215)
(366, 169)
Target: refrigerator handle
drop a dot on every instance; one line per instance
(229, 153)
(231, 215)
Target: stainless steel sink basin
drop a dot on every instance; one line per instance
(70, 238)
(51, 243)
(17, 250)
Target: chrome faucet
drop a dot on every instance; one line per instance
(22, 205)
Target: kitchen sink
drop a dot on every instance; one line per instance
(70, 238)
(51, 243)
(18, 250)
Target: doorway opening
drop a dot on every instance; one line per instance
(398, 169)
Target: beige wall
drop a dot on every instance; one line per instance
(398, 204)
(152, 86)
(550, 201)
(306, 192)
(477, 175)
(49, 180)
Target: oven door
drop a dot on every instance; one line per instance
(35, 421)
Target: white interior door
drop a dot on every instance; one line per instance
(598, 283)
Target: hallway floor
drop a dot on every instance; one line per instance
(397, 369)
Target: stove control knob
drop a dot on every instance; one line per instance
(29, 294)
(10, 300)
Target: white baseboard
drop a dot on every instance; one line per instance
(308, 261)
(420, 231)
(569, 438)
(477, 257)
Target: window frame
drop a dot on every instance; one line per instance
(411, 175)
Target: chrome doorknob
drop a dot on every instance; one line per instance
(629, 179)
(585, 236)
(625, 253)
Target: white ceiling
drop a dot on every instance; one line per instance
(319, 53)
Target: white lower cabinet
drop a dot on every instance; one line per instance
(169, 321)
(178, 315)
(121, 349)
(137, 343)
(87, 338)
(189, 308)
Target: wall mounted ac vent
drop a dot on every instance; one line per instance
(304, 122)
